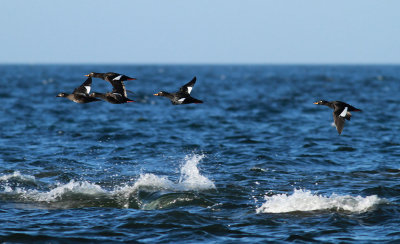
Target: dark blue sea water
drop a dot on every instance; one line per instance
(257, 162)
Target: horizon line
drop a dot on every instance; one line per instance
(204, 64)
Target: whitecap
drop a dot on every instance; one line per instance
(18, 176)
(75, 187)
(303, 200)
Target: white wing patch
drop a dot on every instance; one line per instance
(118, 77)
(181, 100)
(87, 89)
(343, 114)
(189, 88)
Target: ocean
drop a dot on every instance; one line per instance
(256, 162)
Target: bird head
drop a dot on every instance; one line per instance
(90, 75)
(161, 93)
(62, 94)
(321, 102)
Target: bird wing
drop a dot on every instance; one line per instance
(344, 112)
(119, 87)
(122, 78)
(84, 88)
(187, 88)
(351, 108)
(339, 122)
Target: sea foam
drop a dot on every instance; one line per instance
(303, 200)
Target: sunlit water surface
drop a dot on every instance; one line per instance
(258, 161)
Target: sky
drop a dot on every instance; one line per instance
(200, 32)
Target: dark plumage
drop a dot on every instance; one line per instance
(340, 112)
(118, 94)
(81, 93)
(110, 76)
(182, 96)
(112, 97)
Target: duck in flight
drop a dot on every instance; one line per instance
(110, 76)
(118, 94)
(340, 112)
(81, 93)
(182, 96)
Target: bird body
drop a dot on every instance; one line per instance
(182, 96)
(340, 112)
(111, 97)
(81, 93)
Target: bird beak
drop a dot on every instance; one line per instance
(87, 75)
(155, 94)
(315, 103)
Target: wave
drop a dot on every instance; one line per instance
(86, 194)
(303, 200)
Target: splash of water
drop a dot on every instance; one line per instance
(303, 200)
(190, 179)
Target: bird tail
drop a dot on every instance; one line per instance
(197, 101)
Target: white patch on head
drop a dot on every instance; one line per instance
(343, 114)
(118, 77)
(189, 89)
(181, 100)
(87, 89)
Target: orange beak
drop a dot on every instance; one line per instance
(155, 94)
(315, 103)
(86, 75)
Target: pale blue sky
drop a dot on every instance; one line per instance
(207, 31)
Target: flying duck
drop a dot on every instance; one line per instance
(118, 94)
(340, 112)
(182, 96)
(81, 93)
(110, 76)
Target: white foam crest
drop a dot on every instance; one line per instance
(191, 178)
(17, 175)
(55, 194)
(303, 200)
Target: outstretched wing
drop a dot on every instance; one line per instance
(339, 121)
(84, 88)
(119, 87)
(187, 88)
(122, 78)
(111, 76)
